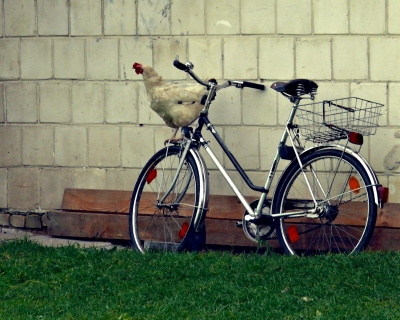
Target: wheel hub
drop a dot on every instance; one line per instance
(330, 212)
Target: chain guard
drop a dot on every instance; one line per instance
(264, 229)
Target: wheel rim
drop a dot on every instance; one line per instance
(343, 208)
(164, 227)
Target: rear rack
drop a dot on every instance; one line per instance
(332, 120)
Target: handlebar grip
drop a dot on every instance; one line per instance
(180, 65)
(253, 85)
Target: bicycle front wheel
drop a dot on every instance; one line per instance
(336, 186)
(166, 226)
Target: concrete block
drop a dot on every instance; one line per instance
(226, 109)
(165, 52)
(36, 59)
(393, 16)
(19, 18)
(240, 58)
(259, 107)
(376, 92)
(206, 55)
(367, 16)
(332, 90)
(137, 146)
(69, 58)
(223, 17)
(385, 157)
(17, 221)
(213, 144)
(38, 145)
(260, 11)
(269, 141)
(313, 59)
(53, 182)
(70, 146)
(187, 17)
(384, 64)
(2, 107)
(33, 221)
(21, 102)
(244, 144)
(87, 102)
(104, 146)
(3, 187)
(332, 21)
(121, 179)
(218, 184)
(293, 17)
(1, 22)
(23, 188)
(276, 59)
(119, 17)
(54, 102)
(121, 102)
(393, 105)
(102, 59)
(11, 144)
(9, 53)
(394, 189)
(90, 178)
(146, 114)
(4, 219)
(163, 133)
(134, 50)
(85, 17)
(154, 17)
(350, 58)
(52, 17)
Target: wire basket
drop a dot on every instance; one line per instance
(332, 120)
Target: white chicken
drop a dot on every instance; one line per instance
(178, 106)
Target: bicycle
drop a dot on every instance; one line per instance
(325, 201)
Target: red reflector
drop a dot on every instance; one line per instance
(356, 138)
(383, 194)
(151, 175)
(354, 184)
(183, 230)
(293, 234)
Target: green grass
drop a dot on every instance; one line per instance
(73, 283)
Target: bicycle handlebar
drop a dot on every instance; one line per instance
(188, 66)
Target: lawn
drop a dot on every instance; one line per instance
(74, 283)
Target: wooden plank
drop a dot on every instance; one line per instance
(87, 225)
(92, 200)
(220, 207)
(117, 201)
(219, 231)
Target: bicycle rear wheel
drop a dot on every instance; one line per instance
(167, 226)
(347, 212)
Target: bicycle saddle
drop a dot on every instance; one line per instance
(296, 88)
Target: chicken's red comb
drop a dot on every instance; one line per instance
(138, 68)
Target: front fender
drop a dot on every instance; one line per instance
(204, 190)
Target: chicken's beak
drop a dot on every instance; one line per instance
(138, 68)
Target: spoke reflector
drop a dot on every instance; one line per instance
(293, 234)
(183, 230)
(151, 175)
(354, 184)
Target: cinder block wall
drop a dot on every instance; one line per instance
(74, 114)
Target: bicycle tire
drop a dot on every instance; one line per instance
(167, 228)
(342, 188)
